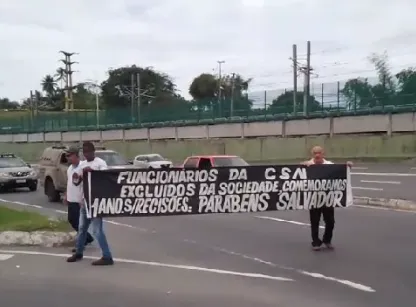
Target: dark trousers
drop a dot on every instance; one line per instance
(329, 219)
(73, 219)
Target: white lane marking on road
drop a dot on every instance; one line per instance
(381, 182)
(160, 264)
(385, 209)
(284, 221)
(369, 189)
(65, 212)
(342, 281)
(20, 203)
(385, 174)
(359, 167)
(348, 283)
(5, 256)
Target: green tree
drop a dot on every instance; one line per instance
(84, 97)
(283, 104)
(406, 87)
(204, 89)
(49, 85)
(7, 104)
(54, 99)
(159, 100)
(358, 93)
(60, 76)
(154, 86)
(389, 90)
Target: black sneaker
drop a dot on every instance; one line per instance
(74, 258)
(103, 261)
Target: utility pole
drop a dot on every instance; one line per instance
(295, 77)
(306, 71)
(32, 109)
(138, 100)
(132, 96)
(219, 83)
(308, 77)
(232, 95)
(69, 97)
(135, 93)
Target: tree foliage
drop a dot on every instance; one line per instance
(220, 95)
(283, 104)
(155, 87)
(7, 104)
(393, 90)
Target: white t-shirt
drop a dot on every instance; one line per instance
(324, 161)
(74, 183)
(96, 164)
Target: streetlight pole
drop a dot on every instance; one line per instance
(97, 109)
(139, 120)
(219, 83)
(232, 96)
(97, 99)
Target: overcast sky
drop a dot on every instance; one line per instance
(186, 37)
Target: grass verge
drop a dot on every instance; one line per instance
(22, 220)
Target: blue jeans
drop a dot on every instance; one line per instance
(97, 232)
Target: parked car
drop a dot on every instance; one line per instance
(16, 173)
(113, 159)
(151, 161)
(213, 161)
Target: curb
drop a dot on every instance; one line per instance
(37, 238)
(386, 203)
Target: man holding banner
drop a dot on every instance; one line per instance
(91, 163)
(328, 213)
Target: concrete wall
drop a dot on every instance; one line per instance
(390, 135)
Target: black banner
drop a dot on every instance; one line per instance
(145, 192)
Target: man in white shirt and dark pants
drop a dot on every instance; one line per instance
(327, 212)
(92, 163)
(74, 195)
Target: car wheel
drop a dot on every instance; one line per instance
(33, 187)
(51, 192)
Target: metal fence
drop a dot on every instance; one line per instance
(327, 100)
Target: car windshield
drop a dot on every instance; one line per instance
(229, 161)
(111, 158)
(154, 158)
(11, 162)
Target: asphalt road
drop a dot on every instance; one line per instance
(233, 260)
(396, 181)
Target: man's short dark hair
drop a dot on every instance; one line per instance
(89, 146)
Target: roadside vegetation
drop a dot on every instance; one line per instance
(23, 220)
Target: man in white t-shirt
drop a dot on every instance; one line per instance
(328, 213)
(92, 163)
(74, 194)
